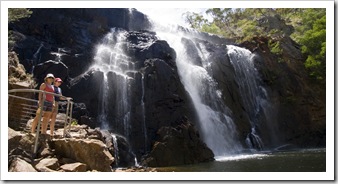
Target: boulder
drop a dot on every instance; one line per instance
(19, 140)
(14, 138)
(95, 134)
(74, 167)
(46, 152)
(78, 131)
(119, 147)
(19, 153)
(91, 152)
(19, 165)
(48, 165)
(64, 161)
(178, 146)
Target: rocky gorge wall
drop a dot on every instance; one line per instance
(63, 42)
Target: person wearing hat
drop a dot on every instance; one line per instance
(57, 90)
(47, 106)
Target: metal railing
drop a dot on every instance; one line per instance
(28, 108)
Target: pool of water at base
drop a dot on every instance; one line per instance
(306, 160)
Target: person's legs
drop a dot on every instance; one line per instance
(46, 118)
(35, 121)
(52, 123)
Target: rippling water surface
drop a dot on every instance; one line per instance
(310, 160)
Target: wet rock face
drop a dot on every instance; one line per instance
(178, 146)
(299, 103)
(162, 93)
(58, 69)
(69, 35)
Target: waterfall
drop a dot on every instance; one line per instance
(116, 150)
(144, 115)
(111, 60)
(217, 127)
(58, 55)
(254, 96)
(35, 57)
(104, 105)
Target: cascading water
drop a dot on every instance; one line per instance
(58, 55)
(116, 150)
(254, 96)
(114, 64)
(144, 115)
(35, 59)
(115, 102)
(217, 127)
(111, 60)
(104, 103)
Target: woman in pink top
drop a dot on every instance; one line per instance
(47, 106)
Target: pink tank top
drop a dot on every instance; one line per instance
(49, 97)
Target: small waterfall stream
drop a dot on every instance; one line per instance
(116, 150)
(254, 96)
(144, 116)
(114, 64)
(104, 103)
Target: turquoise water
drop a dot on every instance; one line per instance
(309, 160)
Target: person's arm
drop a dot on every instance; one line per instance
(61, 97)
(42, 87)
(64, 98)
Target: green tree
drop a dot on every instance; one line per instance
(313, 43)
(195, 20)
(15, 14)
(306, 26)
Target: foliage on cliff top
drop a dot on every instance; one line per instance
(306, 26)
(16, 71)
(14, 15)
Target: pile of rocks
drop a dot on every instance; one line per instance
(82, 150)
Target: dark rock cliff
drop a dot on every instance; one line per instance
(300, 103)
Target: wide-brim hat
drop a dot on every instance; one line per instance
(49, 76)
